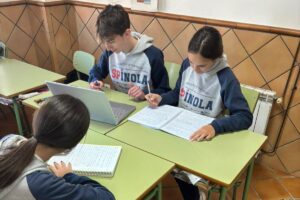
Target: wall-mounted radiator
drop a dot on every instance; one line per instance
(262, 109)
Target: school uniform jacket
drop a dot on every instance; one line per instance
(209, 94)
(37, 183)
(145, 63)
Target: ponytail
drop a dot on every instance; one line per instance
(15, 161)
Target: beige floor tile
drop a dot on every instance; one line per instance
(292, 185)
(270, 189)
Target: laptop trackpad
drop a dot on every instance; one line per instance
(121, 110)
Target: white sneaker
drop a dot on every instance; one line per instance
(202, 195)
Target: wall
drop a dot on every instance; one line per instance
(48, 36)
(276, 13)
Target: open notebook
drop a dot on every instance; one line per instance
(91, 160)
(173, 120)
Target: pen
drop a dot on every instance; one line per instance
(149, 91)
(38, 101)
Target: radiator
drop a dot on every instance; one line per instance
(262, 109)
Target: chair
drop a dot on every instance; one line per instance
(83, 62)
(251, 97)
(173, 72)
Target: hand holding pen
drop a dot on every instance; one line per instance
(97, 85)
(136, 92)
(153, 99)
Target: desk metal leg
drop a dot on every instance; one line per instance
(223, 193)
(248, 179)
(156, 192)
(17, 115)
(159, 192)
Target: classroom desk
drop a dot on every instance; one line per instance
(220, 160)
(17, 77)
(111, 95)
(137, 172)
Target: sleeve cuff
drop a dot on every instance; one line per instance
(217, 127)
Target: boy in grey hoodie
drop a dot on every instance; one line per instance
(130, 58)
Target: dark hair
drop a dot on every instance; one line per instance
(61, 122)
(113, 20)
(207, 41)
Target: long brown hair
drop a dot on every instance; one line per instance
(61, 122)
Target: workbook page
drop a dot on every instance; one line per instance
(155, 117)
(186, 123)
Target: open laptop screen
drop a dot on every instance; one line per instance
(97, 103)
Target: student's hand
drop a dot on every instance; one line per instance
(61, 169)
(153, 99)
(136, 92)
(97, 85)
(206, 132)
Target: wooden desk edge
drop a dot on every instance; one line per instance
(156, 182)
(223, 184)
(31, 89)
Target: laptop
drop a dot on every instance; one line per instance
(100, 108)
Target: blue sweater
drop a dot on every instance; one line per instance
(44, 185)
(209, 94)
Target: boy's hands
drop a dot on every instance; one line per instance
(206, 132)
(136, 92)
(97, 85)
(153, 99)
(61, 169)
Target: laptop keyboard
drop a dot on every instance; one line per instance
(121, 110)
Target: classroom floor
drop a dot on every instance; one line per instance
(267, 184)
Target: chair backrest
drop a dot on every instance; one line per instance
(83, 62)
(251, 97)
(173, 72)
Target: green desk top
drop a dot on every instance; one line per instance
(18, 77)
(137, 172)
(220, 160)
(111, 95)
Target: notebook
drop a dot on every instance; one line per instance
(100, 108)
(91, 160)
(173, 120)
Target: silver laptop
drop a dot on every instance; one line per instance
(100, 108)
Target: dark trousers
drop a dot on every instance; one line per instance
(188, 191)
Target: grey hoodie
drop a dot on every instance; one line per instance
(143, 64)
(209, 94)
(19, 189)
(37, 183)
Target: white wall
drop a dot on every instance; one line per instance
(277, 13)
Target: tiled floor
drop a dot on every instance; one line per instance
(267, 184)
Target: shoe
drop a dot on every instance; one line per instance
(202, 195)
(203, 185)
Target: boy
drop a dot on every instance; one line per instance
(130, 58)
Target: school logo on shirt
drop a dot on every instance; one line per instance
(182, 92)
(129, 77)
(195, 101)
